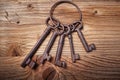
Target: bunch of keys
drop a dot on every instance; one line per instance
(58, 29)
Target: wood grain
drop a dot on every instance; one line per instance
(22, 22)
(90, 67)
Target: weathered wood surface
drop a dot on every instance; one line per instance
(21, 26)
(92, 67)
(23, 21)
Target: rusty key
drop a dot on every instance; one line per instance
(28, 58)
(57, 31)
(73, 55)
(79, 27)
(58, 62)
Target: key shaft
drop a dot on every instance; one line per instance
(87, 47)
(46, 55)
(73, 55)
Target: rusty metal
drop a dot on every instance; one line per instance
(75, 28)
(61, 2)
(61, 30)
(28, 58)
(58, 62)
(78, 29)
(56, 32)
(73, 54)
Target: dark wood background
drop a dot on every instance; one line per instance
(23, 21)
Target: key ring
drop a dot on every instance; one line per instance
(78, 24)
(52, 26)
(60, 2)
(66, 28)
(57, 27)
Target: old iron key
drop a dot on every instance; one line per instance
(73, 55)
(60, 48)
(57, 31)
(28, 59)
(87, 47)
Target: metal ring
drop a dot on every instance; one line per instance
(63, 28)
(72, 27)
(77, 23)
(60, 2)
(52, 26)
(68, 29)
(57, 26)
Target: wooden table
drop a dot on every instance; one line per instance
(23, 21)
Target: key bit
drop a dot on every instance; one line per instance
(44, 58)
(33, 64)
(61, 64)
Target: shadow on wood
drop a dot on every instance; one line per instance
(90, 67)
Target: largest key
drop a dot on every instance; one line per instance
(28, 59)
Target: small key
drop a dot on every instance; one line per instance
(87, 47)
(46, 55)
(73, 55)
(60, 48)
(28, 58)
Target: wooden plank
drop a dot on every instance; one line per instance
(23, 21)
(90, 67)
(11, 70)
(21, 25)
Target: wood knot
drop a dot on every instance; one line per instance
(29, 6)
(14, 50)
(49, 73)
(18, 22)
(95, 12)
(12, 19)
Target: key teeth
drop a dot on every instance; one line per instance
(61, 64)
(33, 65)
(46, 57)
(77, 56)
(92, 47)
